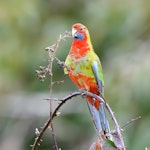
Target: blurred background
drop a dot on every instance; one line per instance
(120, 33)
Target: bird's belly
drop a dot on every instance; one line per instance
(85, 82)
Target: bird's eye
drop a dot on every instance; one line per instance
(81, 29)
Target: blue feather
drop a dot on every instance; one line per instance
(79, 36)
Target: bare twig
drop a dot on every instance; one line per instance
(49, 121)
(129, 122)
(41, 74)
(50, 67)
(117, 133)
(52, 51)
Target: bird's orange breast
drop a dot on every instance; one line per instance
(85, 82)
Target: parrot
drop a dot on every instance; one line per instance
(85, 70)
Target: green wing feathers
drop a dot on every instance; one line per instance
(97, 70)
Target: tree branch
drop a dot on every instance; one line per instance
(117, 137)
(49, 121)
(41, 74)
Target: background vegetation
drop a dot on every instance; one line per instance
(120, 33)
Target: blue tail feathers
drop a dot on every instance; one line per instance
(99, 119)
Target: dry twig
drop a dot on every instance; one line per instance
(118, 139)
(49, 121)
(41, 74)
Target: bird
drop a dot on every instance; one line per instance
(85, 70)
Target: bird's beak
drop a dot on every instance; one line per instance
(74, 32)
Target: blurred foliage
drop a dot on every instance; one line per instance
(120, 33)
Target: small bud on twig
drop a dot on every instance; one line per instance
(37, 131)
(58, 113)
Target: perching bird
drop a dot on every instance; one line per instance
(86, 72)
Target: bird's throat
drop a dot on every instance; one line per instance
(79, 48)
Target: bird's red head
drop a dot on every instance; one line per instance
(79, 31)
(81, 43)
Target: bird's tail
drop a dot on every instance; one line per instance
(99, 116)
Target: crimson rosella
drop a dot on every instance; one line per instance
(86, 72)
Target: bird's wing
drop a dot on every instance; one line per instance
(98, 73)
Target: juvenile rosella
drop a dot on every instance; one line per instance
(86, 72)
